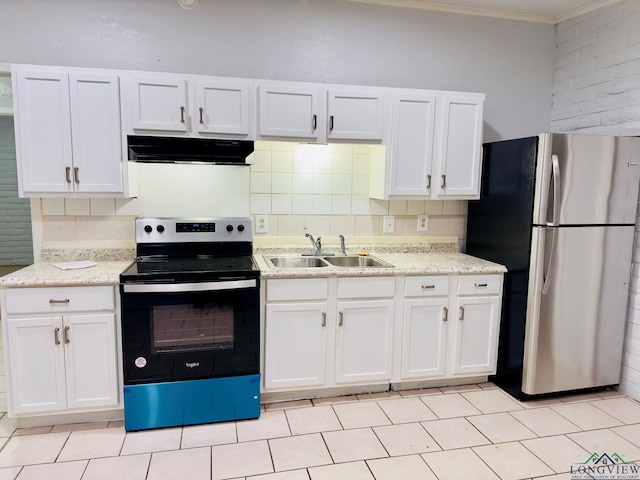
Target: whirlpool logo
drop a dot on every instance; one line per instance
(192, 364)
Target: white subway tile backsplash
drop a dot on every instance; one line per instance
(290, 225)
(317, 225)
(379, 207)
(121, 228)
(322, 184)
(451, 207)
(343, 225)
(127, 206)
(342, 163)
(59, 228)
(360, 205)
(434, 207)
(302, 183)
(341, 204)
(103, 206)
(281, 183)
(282, 162)
(260, 182)
(92, 228)
(397, 207)
(360, 185)
(302, 165)
(281, 204)
(302, 204)
(322, 164)
(322, 204)
(52, 206)
(458, 226)
(77, 206)
(341, 184)
(415, 207)
(261, 160)
(367, 226)
(361, 165)
(260, 203)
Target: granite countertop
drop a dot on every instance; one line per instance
(44, 274)
(403, 264)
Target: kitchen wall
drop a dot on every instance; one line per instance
(15, 216)
(330, 41)
(597, 90)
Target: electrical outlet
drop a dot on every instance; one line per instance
(423, 223)
(389, 224)
(262, 224)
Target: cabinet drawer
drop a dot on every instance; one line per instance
(291, 289)
(368, 287)
(430, 286)
(479, 284)
(60, 299)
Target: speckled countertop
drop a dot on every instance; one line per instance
(403, 264)
(406, 260)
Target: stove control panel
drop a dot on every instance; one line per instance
(176, 230)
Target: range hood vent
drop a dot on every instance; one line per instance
(188, 150)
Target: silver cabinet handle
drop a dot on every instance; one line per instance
(445, 312)
(65, 335)
(429, 181)
(201, 116)
(443, 183)
(480, 285)
(324, 319)
(67, 174)
(340, 318)
(76, 176)
(56, 338)
(181, 114)
(428, 287)
(314, 122)
(53, 300)
(461, 313)
(331, 123)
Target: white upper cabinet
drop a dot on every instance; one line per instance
(68, 133)
(308, 111)
(286, 110)
(460, 146)
(355, 114)
(189, 105)
(435, 150)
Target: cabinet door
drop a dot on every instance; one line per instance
(288, 111)
(95, 123)
(364, 341)
(412, 144)
(295, 345)
(355, 115)
(460, 146)
(159, 104)
(424, 338)
(90, 359)
(43, 132)
(36, 365)
(476, 335)
(223, 107)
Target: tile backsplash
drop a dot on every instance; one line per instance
(300, 188)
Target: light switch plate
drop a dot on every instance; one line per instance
(423, 223)
(262, 224)
(389, 224)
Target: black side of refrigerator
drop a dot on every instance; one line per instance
(499, 230)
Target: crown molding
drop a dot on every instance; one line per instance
(586, 9)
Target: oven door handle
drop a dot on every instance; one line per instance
(188, 287)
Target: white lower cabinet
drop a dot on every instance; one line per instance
(60, 359)
(348, 331)
(296, 345)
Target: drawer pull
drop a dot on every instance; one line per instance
(445, 310)
(341, 318)
(314, 122)
(324, 319)
(461, 313)
(67, 172)
(76, 175)
(481, 285)
(56, 338)
(53, 300)
(181, 114)
(428, 181)
(428, 287)
(65, 335)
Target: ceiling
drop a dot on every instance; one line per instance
(544, 11)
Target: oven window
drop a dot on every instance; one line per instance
(192, 326)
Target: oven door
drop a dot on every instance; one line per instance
(185, 331)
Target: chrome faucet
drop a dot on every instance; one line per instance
(343, 251)
(317, 245)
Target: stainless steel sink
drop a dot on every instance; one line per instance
(357, 261)
(348, 261)
(295, 262)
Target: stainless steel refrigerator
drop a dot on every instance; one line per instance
(559, 212)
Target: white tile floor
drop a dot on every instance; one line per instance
(459, 433)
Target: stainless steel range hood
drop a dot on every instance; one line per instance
(149, 149)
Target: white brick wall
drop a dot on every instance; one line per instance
(597, 91)
(15, 214)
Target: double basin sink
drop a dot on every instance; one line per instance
(342, 261)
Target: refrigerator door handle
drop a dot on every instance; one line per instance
(555, 178)
(548, 268)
